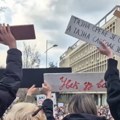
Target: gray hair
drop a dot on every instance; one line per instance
(82, 103)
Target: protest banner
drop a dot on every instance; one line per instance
(92, 34)
(34, 76)
(23, 32)
(42, 97)
(76, 82)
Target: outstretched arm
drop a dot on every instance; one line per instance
(29, 96)
(112, 82)
(10, 82)
(48, 103)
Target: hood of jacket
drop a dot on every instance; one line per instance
(83, 116)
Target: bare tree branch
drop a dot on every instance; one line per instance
(31, 57)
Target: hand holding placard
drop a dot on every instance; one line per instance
(92, 34)
(23, 32)
(105, 50)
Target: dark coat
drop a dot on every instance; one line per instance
(83, 116)
(48, 109)
(10, 82)
(113, 88)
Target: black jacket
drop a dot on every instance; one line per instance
(48, 109)
(113, 88)
(83, 116)
(10, 82)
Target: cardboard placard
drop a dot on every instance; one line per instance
(92, 34)
(76, 82)
(23, 32)
(117, 13)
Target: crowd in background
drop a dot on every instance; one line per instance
(104, 111)
(61, 112)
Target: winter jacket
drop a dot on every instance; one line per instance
(10, 82)
(48, 109)
(83, 116)
(113, 88)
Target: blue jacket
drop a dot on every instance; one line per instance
(12, 77)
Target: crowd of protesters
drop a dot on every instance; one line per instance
(80, 107)
(59, 111)
(103, 111)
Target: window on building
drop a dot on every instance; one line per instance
(111, 27)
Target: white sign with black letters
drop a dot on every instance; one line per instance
(92, 34)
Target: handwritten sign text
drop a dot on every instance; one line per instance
(76, 82)
(92, 34)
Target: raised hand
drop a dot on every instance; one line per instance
(32, 90)
(6, 36)
(105, 50)
(46, 89)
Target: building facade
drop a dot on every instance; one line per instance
(86, 57)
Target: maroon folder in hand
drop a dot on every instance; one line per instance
(23, 32)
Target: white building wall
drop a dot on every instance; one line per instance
(86, 58)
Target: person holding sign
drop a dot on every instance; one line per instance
(12, 77)
(112, 82)
(47, 105)
(30, 111)
(80, 107)
(29, 96)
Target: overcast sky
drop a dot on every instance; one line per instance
(50, 19)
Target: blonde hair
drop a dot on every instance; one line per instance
(24, 111)
(82, 103)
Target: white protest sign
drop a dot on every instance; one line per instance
(42, 97)
(76, 82)
(92, 34)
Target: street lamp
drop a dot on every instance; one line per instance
(47, 49)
